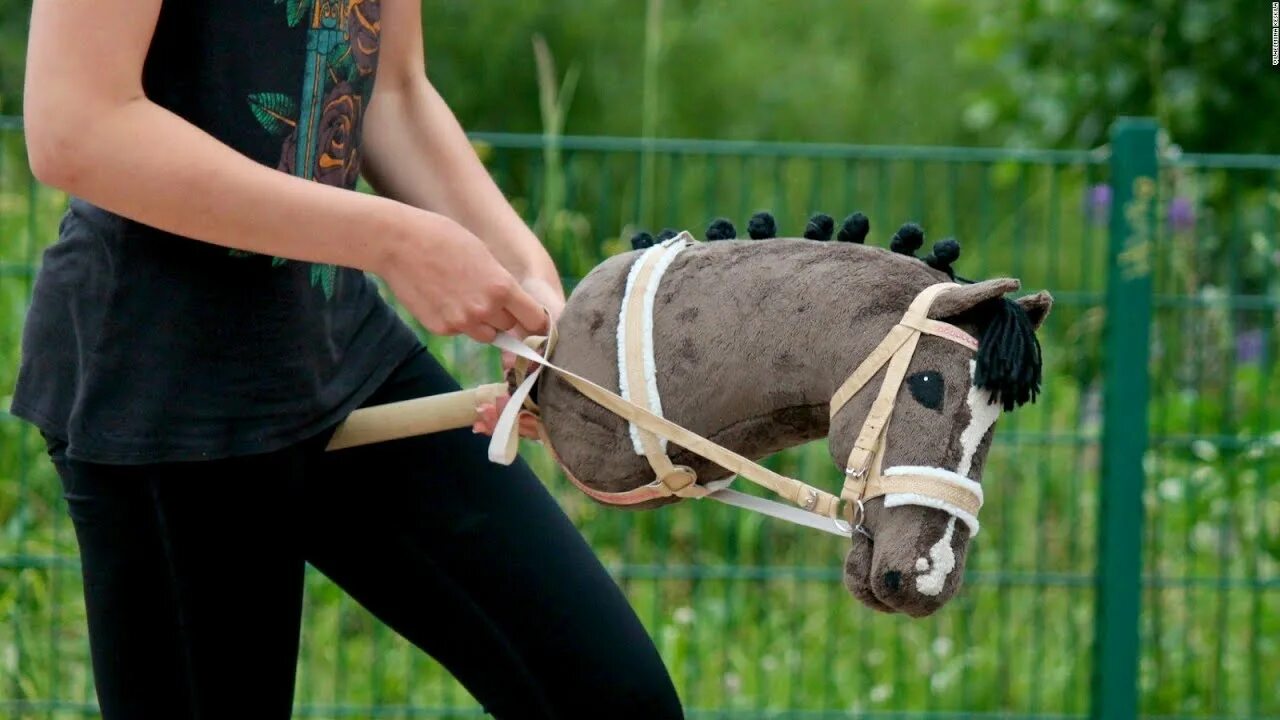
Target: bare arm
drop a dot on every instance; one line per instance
(86, 113)
(416, 152)
(91, 132)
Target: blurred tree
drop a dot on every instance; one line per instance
(805, 70)
(1066, 68)
(1036, 72)
(13, 45)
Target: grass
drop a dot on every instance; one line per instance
(750, 615)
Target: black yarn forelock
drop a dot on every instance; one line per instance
(1009, 363)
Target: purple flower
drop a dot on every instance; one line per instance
(1249, 347)
(1098, 203)
(1182, 215)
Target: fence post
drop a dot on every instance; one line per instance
(1124, 434)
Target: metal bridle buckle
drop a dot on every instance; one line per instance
(810, 500)
(860, 514)
(858, 517)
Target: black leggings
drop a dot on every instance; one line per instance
(193, 576)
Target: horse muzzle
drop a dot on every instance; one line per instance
(913, 561)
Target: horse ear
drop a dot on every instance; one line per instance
(1037, 307)
(954, 302)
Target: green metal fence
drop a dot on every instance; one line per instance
(1074, 604)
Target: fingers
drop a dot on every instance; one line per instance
(487, 416)
(481, 333)
(485, 320)
(528, 312)
(487, 420)
(551, 295)
(529, 427)
(501, 320)
(457, 319)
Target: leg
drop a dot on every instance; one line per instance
(134, 638)
(193, 584)
(477, 565)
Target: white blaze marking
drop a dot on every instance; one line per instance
(982, 415)
(942, 560)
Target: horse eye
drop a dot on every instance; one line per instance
(928, 388)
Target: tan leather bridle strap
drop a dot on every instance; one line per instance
(898, 335)
(505, 443)
(799, 493)
(947, 331)
(919, 307)
(919, 484)
(914, 321)
(870, 438)
(676, 479)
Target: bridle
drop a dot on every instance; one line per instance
(864, 476)
(638, 403)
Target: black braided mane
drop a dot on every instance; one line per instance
(1008, 363)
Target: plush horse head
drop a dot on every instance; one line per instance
(751, 339)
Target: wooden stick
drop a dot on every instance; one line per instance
(420, 416)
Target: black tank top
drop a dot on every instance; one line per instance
(144, 347)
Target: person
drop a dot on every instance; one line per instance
(205, 320)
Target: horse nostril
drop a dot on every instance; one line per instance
(892, 579)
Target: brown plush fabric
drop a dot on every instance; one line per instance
(751, 339)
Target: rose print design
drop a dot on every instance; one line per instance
(364, 25)
(321, 125)
(338, 162)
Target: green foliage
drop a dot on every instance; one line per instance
(298, 9)
(1045, 72)
(1042, 72)
(277, 112)
(813, 70)
(554, 100)
(323, 275)
(341, 63)
(1066, 69)
(14, 15)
